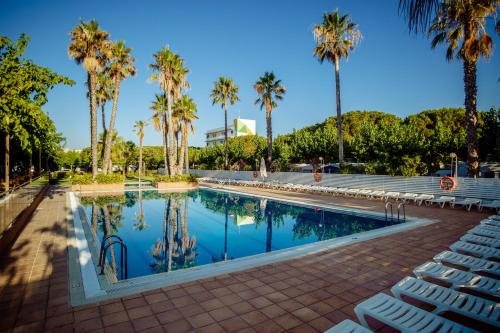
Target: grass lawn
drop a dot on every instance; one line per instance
(131, 179)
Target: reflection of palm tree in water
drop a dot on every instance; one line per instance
(141, 225)
(175, 251)
(108, 230)
(223, 256)
(269, 233)
(95, 217)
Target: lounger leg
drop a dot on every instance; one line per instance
(361, 317)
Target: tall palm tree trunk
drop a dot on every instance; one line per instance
(226, 162)
(170, 143)
(339, 112)
(140, 156)
(104, 132)
(186, 157)
(93, 121)
(269, 136)
(7, 161)
(164, 137)
(108, 164)
(471, 116)
(40, 160)
(183, 146)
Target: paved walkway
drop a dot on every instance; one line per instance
(309, 294)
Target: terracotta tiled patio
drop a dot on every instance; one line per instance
(309, 294)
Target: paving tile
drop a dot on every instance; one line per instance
(272, 311)
(145, 323)
(178, 326)
(305, 314)
(114, 318)
(255, 317)
(139, 312)
(213, 328)
(288, 321)
(242, 307)
(221, 314)
(234, 324)
(125, 327)
(268, 326)
(169, 316)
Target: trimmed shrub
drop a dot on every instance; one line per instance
(179, 178)
(86, 178)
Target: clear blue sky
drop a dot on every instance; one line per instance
(390, 71)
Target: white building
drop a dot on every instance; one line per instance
(239, 127)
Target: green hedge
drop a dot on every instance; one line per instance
(179, 178)
(86, 178)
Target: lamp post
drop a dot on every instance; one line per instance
(321, 164)
(454, 156)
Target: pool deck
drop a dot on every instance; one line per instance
(308, 294)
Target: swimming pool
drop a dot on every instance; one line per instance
(166, 232)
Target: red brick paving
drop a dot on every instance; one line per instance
(309, 294)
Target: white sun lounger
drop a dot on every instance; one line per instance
(366, 193)
(404, 317)
(468, 203)
(491, 222)
(485, 232)
(472, 263)
(353, 191)
(419, 199)
(494, 217)
(377, 194)
(458, 278)
(493, 204)
(476, 250)
(348, 326)
(448, 300)
(441, 201)
(485, 241)
(391, 195)
(408, 196)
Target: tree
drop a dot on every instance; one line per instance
(418, 13)
(90, 47)
(171, 77)
(269, 90)
(461, 24)
(121, 66)
(224, 91)
(335, 38)
(159, 118)
(139, 130)
(104, 93)
(185, 113)
(23, 91)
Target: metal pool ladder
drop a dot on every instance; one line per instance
(112, 240)
(401, 206)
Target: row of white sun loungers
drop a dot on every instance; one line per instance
(481, 306)
(417, 198)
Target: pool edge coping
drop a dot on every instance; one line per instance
(96, 293)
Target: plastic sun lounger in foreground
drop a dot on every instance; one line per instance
(495, 204)
(476, 250)
(481, 240)
(348, 326)
(494, 217)
(492, 222)
(448, 300)
(485, 232)
(472, 263)
(458, 278)
(404, 317)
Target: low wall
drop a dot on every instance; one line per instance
(481, 188)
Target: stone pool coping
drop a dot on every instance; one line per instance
(88, 287)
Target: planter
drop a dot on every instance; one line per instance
(98, 187)
(176, 185)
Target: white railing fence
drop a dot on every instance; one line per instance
(481, 188)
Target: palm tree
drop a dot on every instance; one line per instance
(335, 37)
(461, 25)
(185, 113)
(120, 67)
(418, 13)
(90, 47)
(139, 130)
(159, 118)
(269, 90)
(224, 90)
(171, 76)
(104, 93)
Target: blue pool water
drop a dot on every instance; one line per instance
(170, 231)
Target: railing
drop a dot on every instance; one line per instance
(481, 188)
(106, 243)
(15, 201)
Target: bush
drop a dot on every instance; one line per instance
(81, 179)
(179, 178)
(86, 178)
